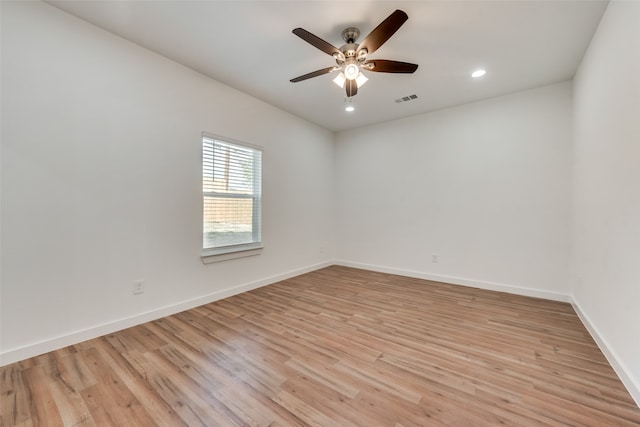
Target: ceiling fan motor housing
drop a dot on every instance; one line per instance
(351, 51)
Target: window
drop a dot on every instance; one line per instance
(231, 194)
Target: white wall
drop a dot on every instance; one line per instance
(484, 186)
(606, 205)
(101, 183)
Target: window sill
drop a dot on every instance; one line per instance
(210, 256)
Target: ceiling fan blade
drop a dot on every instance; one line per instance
(382, 32)
(386, 66)
(316, 41)
(351, 87)
(313, 74)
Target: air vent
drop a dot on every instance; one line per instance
(406, 98)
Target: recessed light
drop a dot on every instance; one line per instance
(348, 105)
(478, 73)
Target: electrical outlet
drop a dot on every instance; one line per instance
(138, 287)
(434, 258)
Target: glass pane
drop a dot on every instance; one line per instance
(227, 221)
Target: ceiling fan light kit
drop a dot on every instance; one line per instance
(341, 79)
(361, 79)
(352, 58)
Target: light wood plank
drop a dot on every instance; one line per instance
(335, 347)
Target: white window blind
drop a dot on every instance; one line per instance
(231, 189)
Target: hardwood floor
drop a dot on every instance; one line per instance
(335, 347)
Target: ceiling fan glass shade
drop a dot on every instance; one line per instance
(351, 71)
(361, 79)
(340, 79)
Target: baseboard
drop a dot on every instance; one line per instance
(500, 287)
(31, 350)
(621, 369)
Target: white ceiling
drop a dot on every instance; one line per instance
(249, 45)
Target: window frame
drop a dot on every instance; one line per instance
(224, 253)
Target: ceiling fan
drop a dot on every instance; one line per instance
(352, 58)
